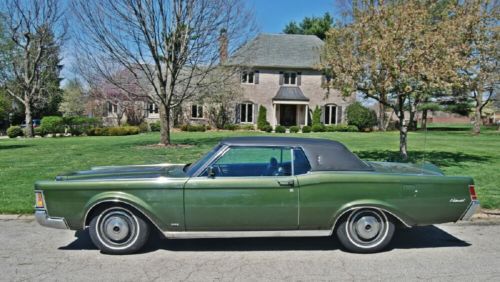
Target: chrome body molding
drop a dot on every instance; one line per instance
(53, 222)
(471, 210)
(245, 234)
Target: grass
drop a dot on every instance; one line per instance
(23, 161)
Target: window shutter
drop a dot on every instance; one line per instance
(299, 78)
(237, 113)
(256, 77)
(339, 114)
(255, 113)
(281, 78)
(323, 109)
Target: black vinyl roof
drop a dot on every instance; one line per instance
(323, 154)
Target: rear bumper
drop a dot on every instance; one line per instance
(473, 206)
(53, 222)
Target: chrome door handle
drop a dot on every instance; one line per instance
(290, 183)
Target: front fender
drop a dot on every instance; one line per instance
(124, 198)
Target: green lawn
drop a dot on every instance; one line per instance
(23, 161)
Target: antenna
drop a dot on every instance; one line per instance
(425, 147)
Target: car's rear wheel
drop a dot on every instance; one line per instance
(365, 231)
(118, 230)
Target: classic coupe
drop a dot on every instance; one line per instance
(255, 187)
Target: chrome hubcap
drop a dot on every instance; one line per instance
(117, 228)
(367, 227)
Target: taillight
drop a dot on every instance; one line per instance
(472, 192)
(39, 200)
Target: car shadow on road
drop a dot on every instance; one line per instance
(412, 238)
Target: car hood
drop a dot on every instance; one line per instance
(405, 168)
(126, 172)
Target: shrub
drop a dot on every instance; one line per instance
(341, 128)
(143, 127)
(280, 129)
(230, 126)
(316, 116)
(294, 129)
(306, 129)
(267, 128)
(39, 131)
(53, 124)
(113, 131)
(262, 122)
(155, 126)
(318, 128)
(360, 116)
(247, 127)
(14, 131)
(193, 128)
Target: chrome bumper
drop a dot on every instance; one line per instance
(473, 206)
(53, 222)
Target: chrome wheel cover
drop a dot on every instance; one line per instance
(367, 228)
(117, 228)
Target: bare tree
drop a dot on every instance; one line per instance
(35, 28)
(173, 45)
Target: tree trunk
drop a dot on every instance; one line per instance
(381, 117)
(424, 119)
(412, 120)
(165, 126)
(28, 118)
(403, 131)
(477, 120)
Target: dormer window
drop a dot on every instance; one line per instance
(290, 78)
(247, 77)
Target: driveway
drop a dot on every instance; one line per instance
(464, 251)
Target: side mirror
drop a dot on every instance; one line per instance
(211, 172)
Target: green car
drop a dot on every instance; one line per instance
(255, 187)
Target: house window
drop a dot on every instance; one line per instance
(112, 108)
(331, 114)
(246, 113)
(153, 109)
(247, 77)
(196, 111)
(290, 78)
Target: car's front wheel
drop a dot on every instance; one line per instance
(365, 231)
(118, 230)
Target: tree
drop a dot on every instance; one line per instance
(262, 122)
(31, 27)
(316, 116)
(481, 71)
(173, 45)
(397, 54)
(311, 25)
(73, 101)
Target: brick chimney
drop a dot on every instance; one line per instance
(223, 46)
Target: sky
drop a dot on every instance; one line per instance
(272, 15)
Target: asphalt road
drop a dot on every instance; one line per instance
(465, 252)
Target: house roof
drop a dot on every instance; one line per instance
(290, 93)
(279, 50)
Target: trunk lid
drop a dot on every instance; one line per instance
(406, 168)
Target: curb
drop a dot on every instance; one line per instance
(17, 217)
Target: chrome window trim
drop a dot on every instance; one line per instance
(245, 234)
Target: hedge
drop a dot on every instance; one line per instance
(113, 131)
(14, 131)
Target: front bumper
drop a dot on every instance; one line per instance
(473, 206)
(53, 222)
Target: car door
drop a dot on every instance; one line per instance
(251, 188)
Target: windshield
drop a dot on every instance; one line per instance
(191, 169)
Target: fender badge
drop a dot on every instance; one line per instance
(454, 200)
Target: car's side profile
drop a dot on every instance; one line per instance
(255, 187)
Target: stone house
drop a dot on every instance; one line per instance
(280, 72)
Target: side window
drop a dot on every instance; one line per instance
(254, 161)
(300, 163)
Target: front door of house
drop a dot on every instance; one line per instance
(288, 115)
